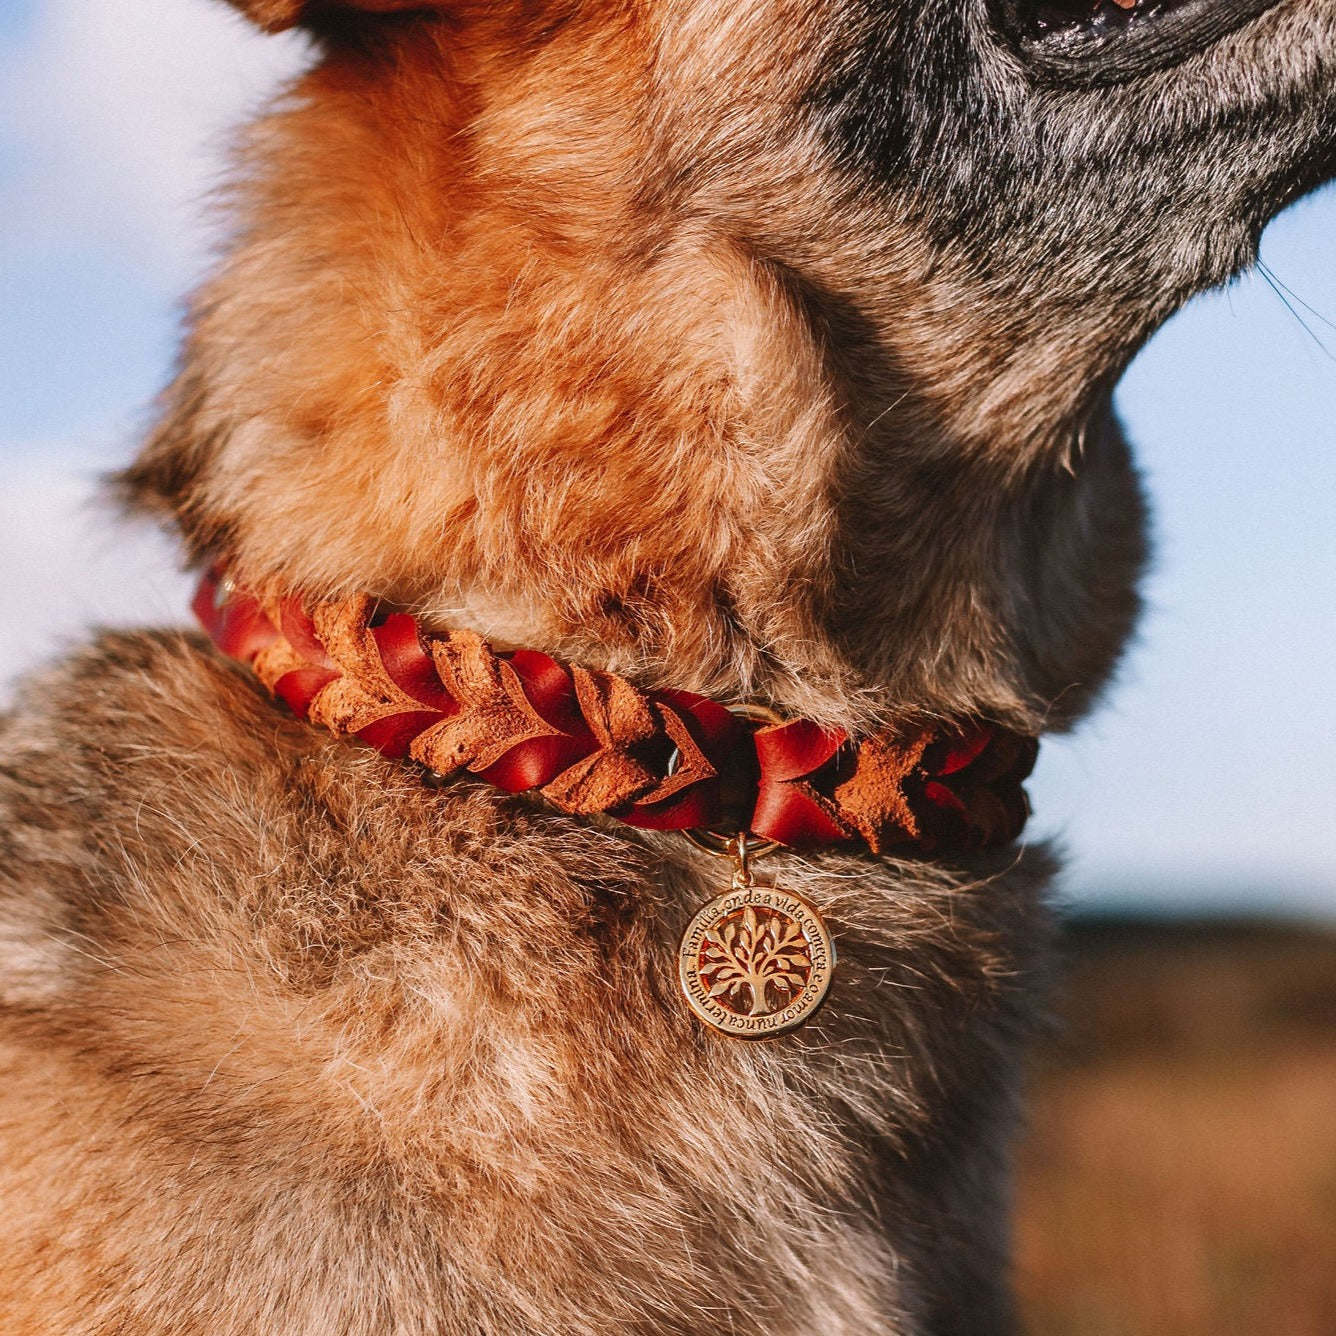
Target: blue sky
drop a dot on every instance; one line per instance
(1207, 780)
(1211, 771)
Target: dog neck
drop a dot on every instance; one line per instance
(667, 454)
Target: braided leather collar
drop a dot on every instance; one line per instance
(591, 742)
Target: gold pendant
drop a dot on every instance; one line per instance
(756, 961)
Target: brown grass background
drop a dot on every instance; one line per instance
(1179, 1176)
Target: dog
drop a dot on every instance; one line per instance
(759, 350)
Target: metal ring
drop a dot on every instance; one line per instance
(223, 591)
(716, 843)
(757, 714)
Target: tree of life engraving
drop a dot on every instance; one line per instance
(749, 957)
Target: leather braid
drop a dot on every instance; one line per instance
(593, 742)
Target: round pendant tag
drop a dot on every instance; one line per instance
(756, 962)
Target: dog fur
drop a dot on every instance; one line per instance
(757, 347)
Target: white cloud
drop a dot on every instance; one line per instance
(67, 565)
(114, 117)
(118, 113)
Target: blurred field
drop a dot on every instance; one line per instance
(1179, 1178)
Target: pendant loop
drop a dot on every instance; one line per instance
(715, 842)
(742, 845)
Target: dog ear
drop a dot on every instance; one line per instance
(276, 15)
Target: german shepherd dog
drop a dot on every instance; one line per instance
(760, 349)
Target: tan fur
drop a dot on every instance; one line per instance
(513, 335)
(321, 1050)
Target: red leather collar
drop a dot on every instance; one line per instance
(592, 742)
